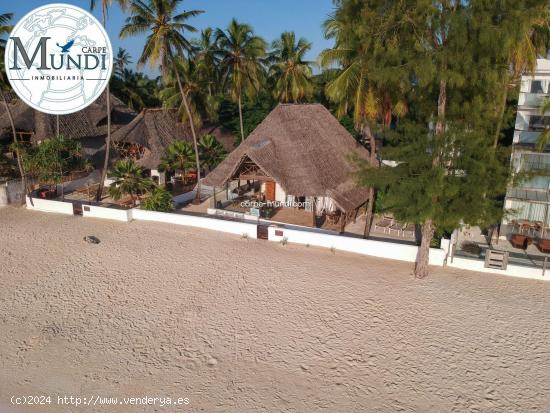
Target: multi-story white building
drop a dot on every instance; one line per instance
(530, 199)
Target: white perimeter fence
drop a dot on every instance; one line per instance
(277, 233)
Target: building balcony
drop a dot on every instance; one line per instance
(526, 137)
(531, 99)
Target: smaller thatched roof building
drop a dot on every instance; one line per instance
(156, 129)
(305, 150)
(90, 122)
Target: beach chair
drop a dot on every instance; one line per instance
(383, 224)
(397, 227)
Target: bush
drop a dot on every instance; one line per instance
(471, 248)
(160, 200)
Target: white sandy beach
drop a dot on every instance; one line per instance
(241, 325)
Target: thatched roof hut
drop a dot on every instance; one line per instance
(156, 129)
(87, 123)
(305, 150)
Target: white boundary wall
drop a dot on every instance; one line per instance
(232, 227)
(379, 249)
(511, 270)
(49, 205)
(92, 211)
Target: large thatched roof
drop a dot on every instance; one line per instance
(87, 123)
(155, 129)
(306, 150)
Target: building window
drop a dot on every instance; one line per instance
(539, 123)
(538, 86)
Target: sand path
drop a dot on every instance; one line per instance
(251, 326)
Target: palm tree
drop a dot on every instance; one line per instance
(353, 88)
(212, 151)
(291, 71)
(5, 28)
(129, 180)
(179, 157)
(201, 104)
(105, 4)
(122, 60)
(242, 55)
(207, 59)
(165, 26)
(527, 45)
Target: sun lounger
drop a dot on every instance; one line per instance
(383, 224)
(397, 227)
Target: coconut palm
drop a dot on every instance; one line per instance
(105, 4)
(291, 71)
(122, 60)
(528, 44)
(207, 59)
(242, 57)
(129, 180)
(5, 28)
(354, 88)
(165, 40)
(212, 151)
(179, 157)
(200, 102)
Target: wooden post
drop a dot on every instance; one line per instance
(343, 220)
(313, 216)
(214, 196)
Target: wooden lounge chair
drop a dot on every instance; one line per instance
(520, 241)
(383, 224)
(397, 227)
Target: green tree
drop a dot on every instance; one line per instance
(242, 56)
(514, 35)
(122, 60)
(53, 159)
(212, 151)
(448, 171)
(165, 28)
(207, 60)
(179, 157)
(290, 69)
(135, 89)
(160, 200)
(105, 5)
(201, 103)
(356, 86)
(129, 180)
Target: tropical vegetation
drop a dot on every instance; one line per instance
(129, 179)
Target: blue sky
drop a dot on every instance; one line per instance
(268, 17)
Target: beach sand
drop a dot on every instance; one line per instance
(242, 325)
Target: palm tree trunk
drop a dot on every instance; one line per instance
(17, 152)
(367, 131)
(241, 118)
(108, 139)
(195, 144)
(428, 228)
